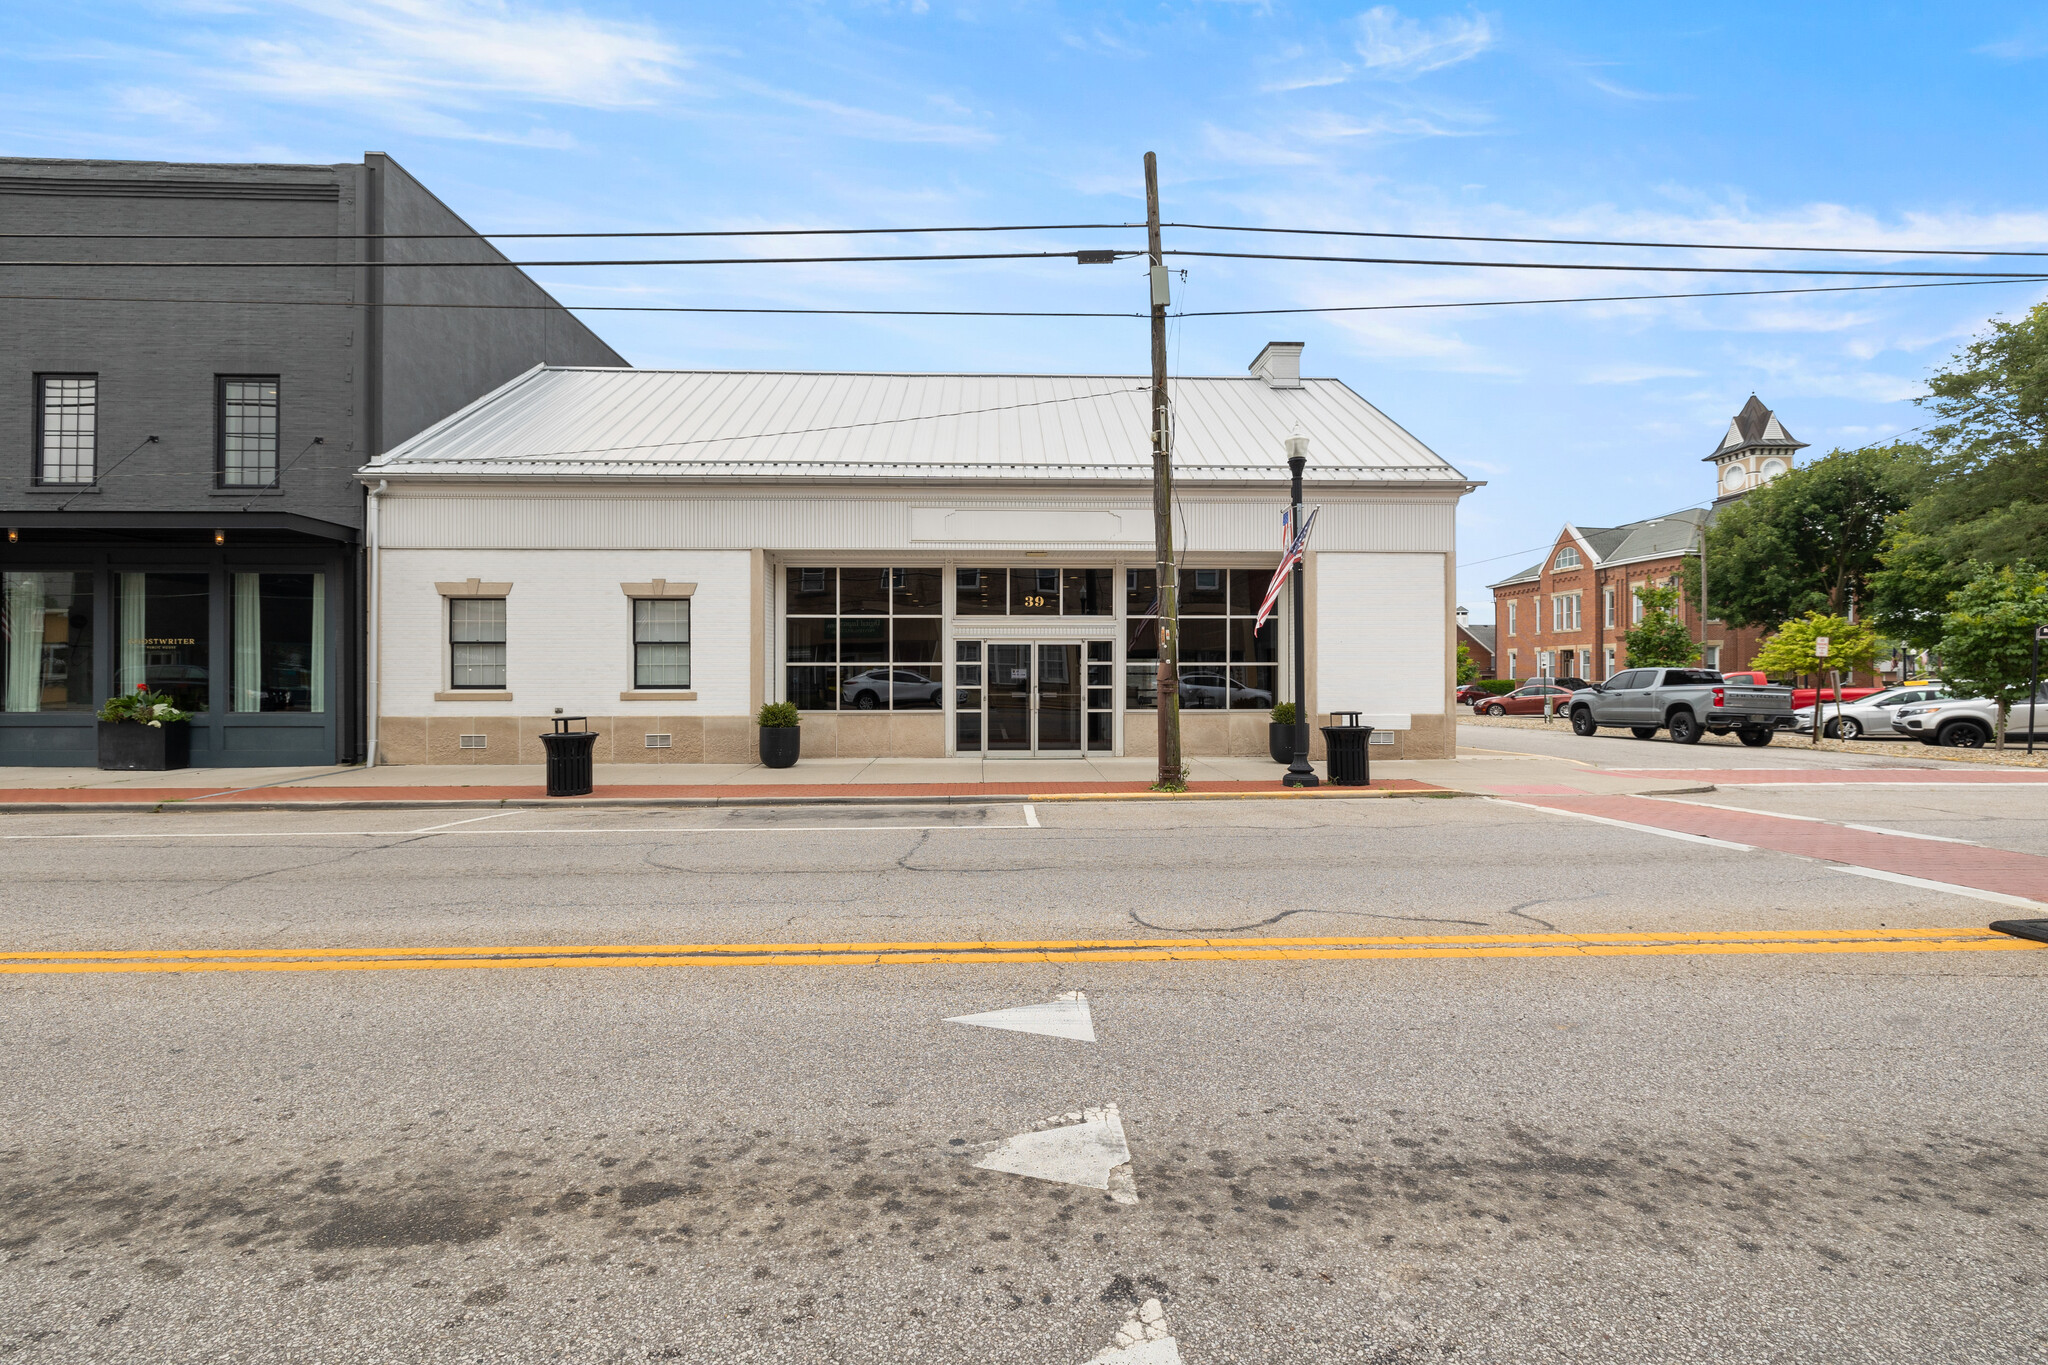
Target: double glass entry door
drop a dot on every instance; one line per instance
(1034, 699)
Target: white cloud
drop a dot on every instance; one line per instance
(1399, 48)
(450, 54)
(850, 121)
(1637, 374)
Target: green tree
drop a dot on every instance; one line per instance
(1986, 499)
(1810, 539)
(1795, 648)
(1987, 638)
(1467, 670)
(1661, 641)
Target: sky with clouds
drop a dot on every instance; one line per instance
(1865, 124)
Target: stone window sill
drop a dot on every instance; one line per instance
(64, 490)
(472, 694)
(645, 694)
(266, 491)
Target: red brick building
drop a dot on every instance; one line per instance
(1565, 616)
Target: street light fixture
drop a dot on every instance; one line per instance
(1300, 773)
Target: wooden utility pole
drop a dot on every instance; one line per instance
(1171, 773)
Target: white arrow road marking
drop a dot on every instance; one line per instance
(1141, 1341)
(1085, 1148)
(1065, 1017)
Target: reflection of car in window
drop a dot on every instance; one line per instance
(1215, 691)
(873, 689)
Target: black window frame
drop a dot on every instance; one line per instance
(689, 623)
(220, 431)
(35, 450)
(504, 683)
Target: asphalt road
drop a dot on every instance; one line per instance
(1619, 749)
(1686, 1158)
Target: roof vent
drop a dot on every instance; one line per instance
(1279, 364)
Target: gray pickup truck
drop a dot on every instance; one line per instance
(1689, 702)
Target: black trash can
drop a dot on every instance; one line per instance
(1344, 746)
(569, 767)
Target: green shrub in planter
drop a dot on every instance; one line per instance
(781, 734)
(1280, 734)
(1496, 687)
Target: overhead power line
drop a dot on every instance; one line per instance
(1595, 265)
(1029, 313)
(1597, 241)
(521, 265)
(547, 236)
(1022, 256)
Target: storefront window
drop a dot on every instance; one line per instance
(280, 639)
(46, 664)
(1224, 663)
(163, 637)
(863, 639)
(1036, 591)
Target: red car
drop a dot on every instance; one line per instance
(1803, 697)
(1469, 693)
(1525, 701)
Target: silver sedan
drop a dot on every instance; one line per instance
(1871, 715)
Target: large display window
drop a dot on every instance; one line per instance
(280, 642)
(46, 664)
(163, 637)
(864, 639)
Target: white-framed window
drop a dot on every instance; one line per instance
(661, 642)
(67, 420)
(1607, 669)
(1635, 612)
(1713, 659)
(1564, 612)
(1514, 665)
(476, 642)
(1607, 606)
(1567, 558)
(1511, 618)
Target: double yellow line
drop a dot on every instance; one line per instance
(1389, 948)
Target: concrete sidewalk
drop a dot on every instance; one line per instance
(891, 780)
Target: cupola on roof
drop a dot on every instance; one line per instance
(1755, 428)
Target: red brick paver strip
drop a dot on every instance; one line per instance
(1824, 777)
(1983, 869)
(646, 791)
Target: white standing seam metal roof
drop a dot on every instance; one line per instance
(587, 423)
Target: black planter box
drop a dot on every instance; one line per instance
(779, 745)
(1280, 742)
(128, 746)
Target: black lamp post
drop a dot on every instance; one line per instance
(1300, 773)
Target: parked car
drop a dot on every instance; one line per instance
(1970, 722)
(1689, 702)
(1469, 693)
(1871, 715)
(869, 691)
(1525, 701)
(1806, 696)
(1216, 691)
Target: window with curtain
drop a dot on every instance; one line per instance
(46, 662)
(280, 642)
(67, 428)
(476, 640)
(661, 642)
(164, 637)
(248, 431)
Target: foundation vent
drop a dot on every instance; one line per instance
(661, 741)
(1380, 737)
(476, 741)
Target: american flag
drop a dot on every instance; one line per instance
(1292, 557)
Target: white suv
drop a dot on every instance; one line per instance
(1970, 723)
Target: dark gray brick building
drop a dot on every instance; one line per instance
(193, 363)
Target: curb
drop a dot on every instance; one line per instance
(700, 802)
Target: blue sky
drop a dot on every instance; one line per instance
(1881, 125)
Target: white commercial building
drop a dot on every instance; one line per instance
(926, 564)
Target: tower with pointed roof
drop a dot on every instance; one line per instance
(1756, 450)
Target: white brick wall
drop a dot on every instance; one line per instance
(568, 628)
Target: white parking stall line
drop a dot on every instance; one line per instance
(1031, 817)
(1909, 834)
(497, 815)
(1974, 893)
(1679, 835)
